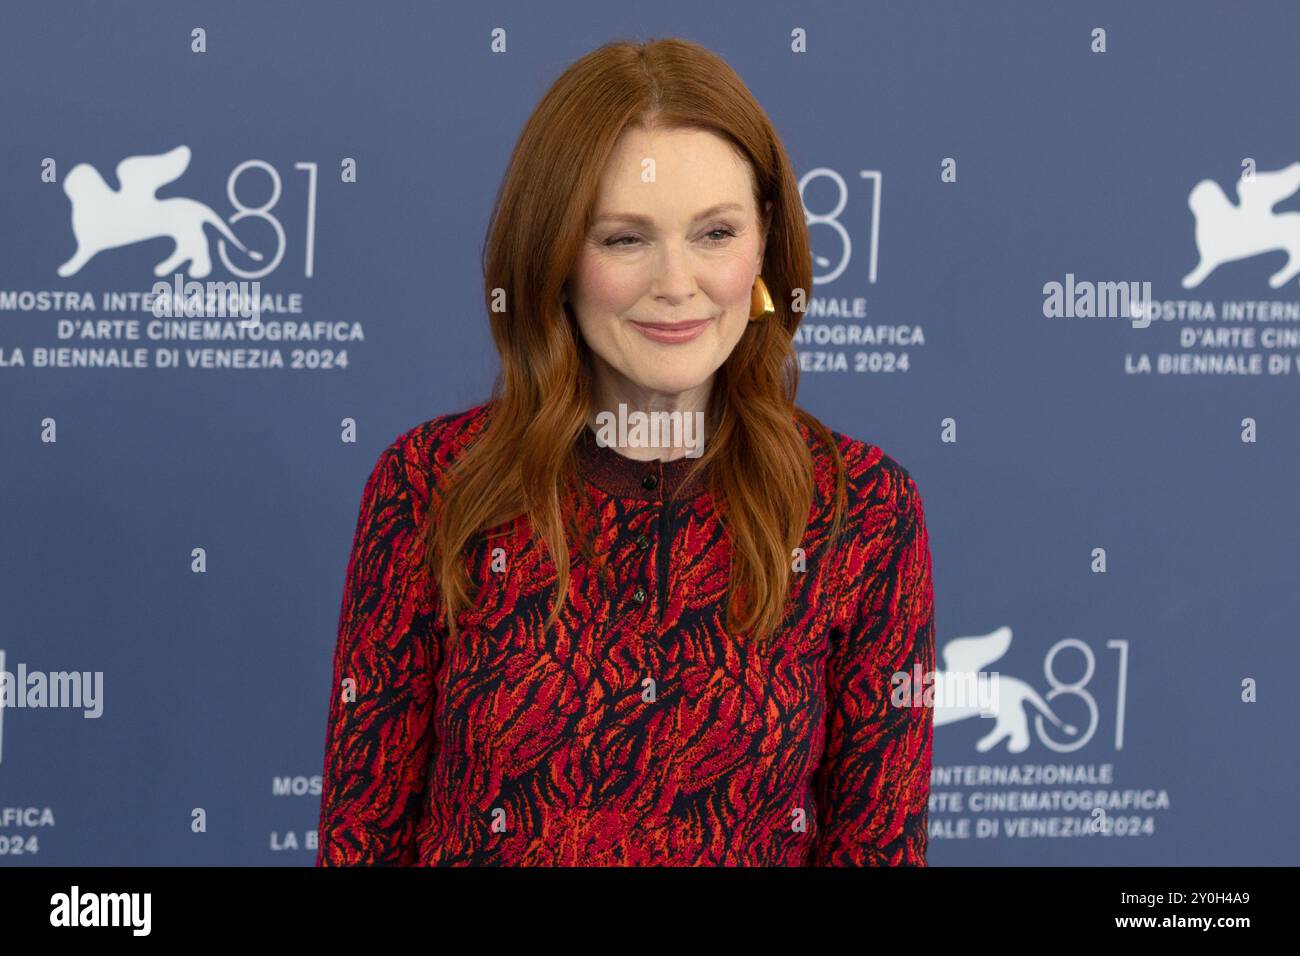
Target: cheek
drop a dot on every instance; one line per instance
(604, 287)
(732, 279)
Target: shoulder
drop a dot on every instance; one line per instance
(422, 454)
(884, 528)
(875, 482)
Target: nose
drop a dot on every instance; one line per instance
(674, 280)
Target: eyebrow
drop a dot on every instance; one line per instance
(647, 221)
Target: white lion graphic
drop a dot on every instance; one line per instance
(1226, 233)
(964, 660)
(103, 218)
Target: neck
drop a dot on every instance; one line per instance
(655, 434)
(646, 424)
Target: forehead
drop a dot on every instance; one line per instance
(691, 167)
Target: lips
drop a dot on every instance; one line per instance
(671, 333)
(673, 326)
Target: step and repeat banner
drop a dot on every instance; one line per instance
(1057, 253)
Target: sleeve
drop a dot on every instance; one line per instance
(872, 786)
(379, 734)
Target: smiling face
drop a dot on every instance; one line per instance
(661, 288)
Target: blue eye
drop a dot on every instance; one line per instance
(625, 242)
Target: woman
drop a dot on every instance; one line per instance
(716, 685)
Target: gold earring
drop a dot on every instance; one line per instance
(760, 301)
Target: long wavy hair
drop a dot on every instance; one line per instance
(761, 474)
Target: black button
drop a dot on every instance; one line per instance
(639, 595)
(642, 542)
(649, 482)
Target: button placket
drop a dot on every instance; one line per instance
(638, 596)
(643, 580)
(650, 481)
(634, 601)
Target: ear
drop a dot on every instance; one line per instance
(766, 226)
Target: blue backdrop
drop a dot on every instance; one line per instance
(1111, 502)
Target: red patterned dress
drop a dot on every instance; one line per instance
(638, 731)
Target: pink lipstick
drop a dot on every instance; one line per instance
(671, 333)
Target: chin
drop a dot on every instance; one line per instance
(660, 380)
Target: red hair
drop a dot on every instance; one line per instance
(761, 470)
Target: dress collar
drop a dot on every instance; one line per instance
(625, 477)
